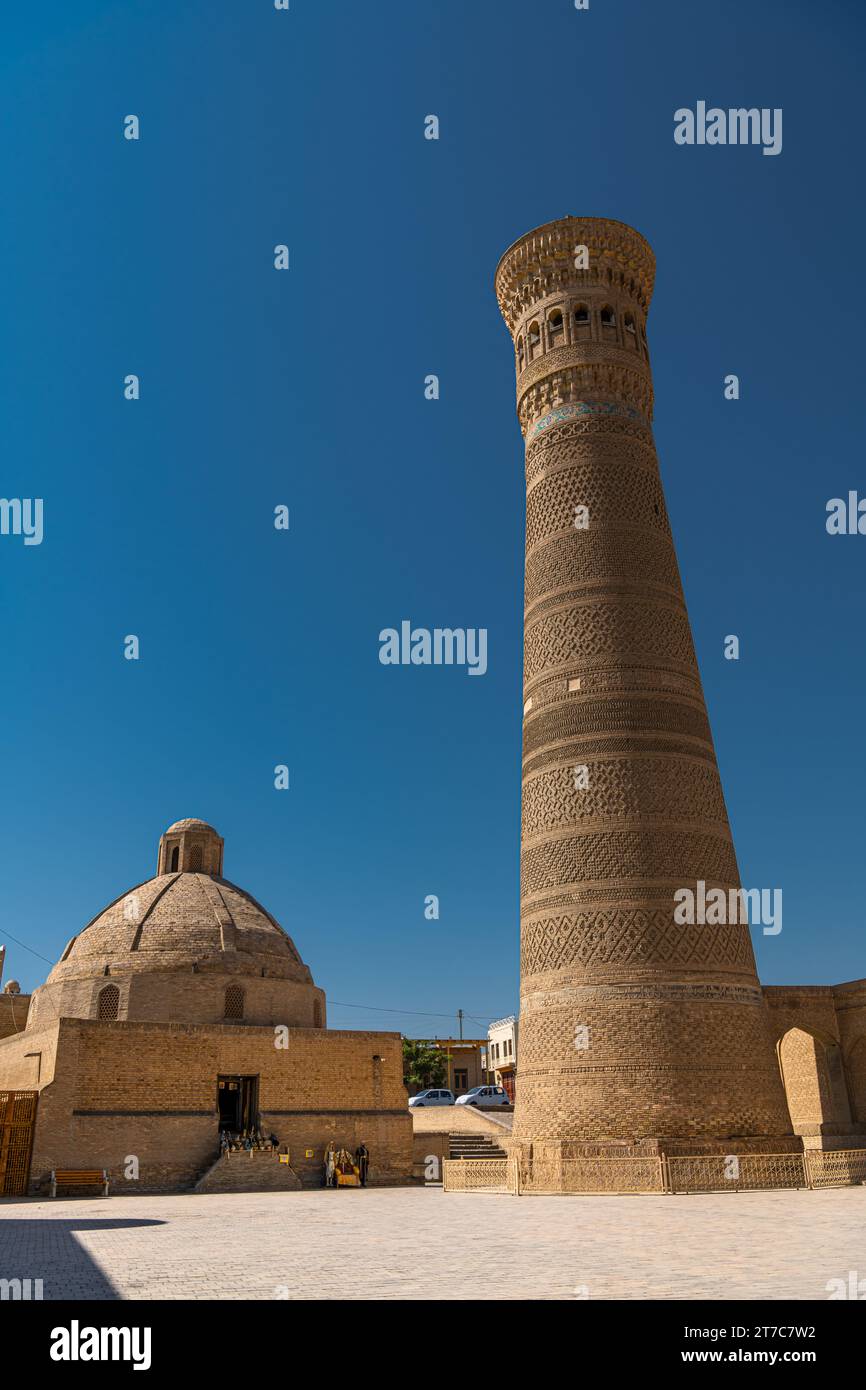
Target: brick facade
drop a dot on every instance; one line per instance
(112, 1091)
(13, 1013)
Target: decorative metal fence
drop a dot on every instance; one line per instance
(478, 1175)
(734, 1172)
(816, 1168)
(835, 1167)
(592, 1175)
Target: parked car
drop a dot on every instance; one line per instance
(435, 1097)
(484, 1095)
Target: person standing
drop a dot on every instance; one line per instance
(362, 1160)
(330, 1166)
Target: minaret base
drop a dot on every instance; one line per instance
(553, 1151)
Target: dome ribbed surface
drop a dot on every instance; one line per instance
(181, 917)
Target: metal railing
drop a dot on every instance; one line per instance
(477, 1175)
(592, 1175)
(835, 1167)
(816, 1168)
(734, 1172)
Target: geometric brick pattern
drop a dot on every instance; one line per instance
(627, 495)
(628, 936)
(621, 788)
(639, 716)
(636, 629)
(573, 560)
(641, 854)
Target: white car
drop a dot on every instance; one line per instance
(434, 1097)
(484, 1095)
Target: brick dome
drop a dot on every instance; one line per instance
(176, 945)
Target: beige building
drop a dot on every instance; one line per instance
(465, 1060)
(181, 1012)
(502, 1053)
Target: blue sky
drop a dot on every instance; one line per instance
(306, 388)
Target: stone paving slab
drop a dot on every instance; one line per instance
(416, 1243)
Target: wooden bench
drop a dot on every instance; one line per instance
(79, 1177)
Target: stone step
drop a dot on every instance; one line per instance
(473, 1146)
(256, 1171)
(464, 1138)
(470, 1141)
(477, 1153)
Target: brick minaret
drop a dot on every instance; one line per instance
(634, 1031)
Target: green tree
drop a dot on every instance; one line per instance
(423, 1065)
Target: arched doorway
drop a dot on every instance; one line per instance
(814, 1081)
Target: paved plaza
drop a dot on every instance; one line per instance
(415, 1243)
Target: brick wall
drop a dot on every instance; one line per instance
(175, 995)
(118, 1091)
(13, 1013)
(27, 1059)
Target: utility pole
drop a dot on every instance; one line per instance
(460, 1022)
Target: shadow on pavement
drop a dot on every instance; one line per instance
(43, 1258)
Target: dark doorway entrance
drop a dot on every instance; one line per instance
(238, 1103)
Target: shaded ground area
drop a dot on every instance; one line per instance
(416, 1243)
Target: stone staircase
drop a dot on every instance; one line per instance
(474, 1146)
(258, 1170)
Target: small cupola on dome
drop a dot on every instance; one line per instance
(190, 847)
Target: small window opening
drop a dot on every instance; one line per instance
(108, 1004)
(234, 1002)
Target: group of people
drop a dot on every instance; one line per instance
(340, 1161)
